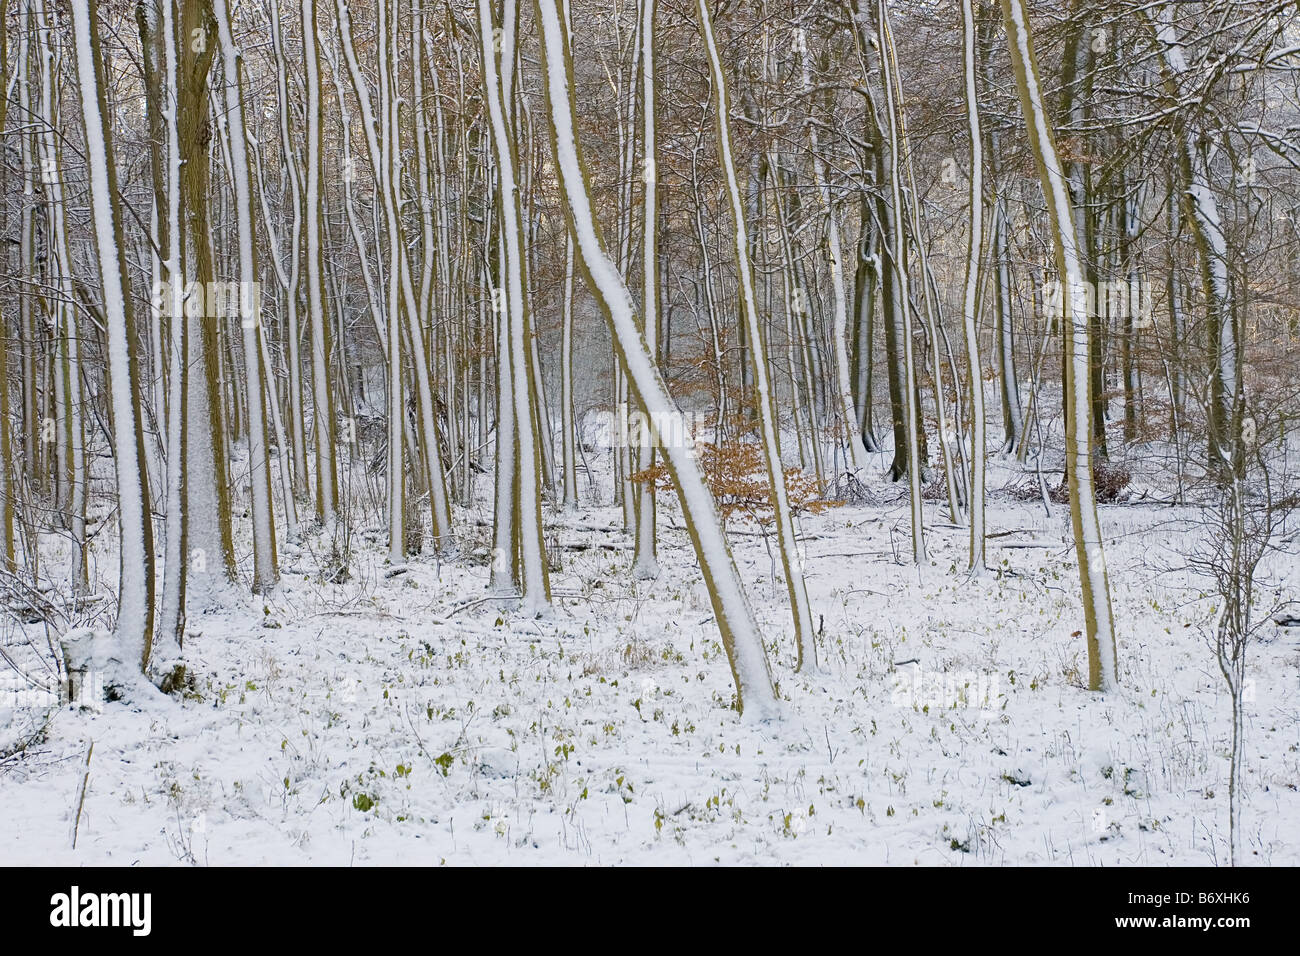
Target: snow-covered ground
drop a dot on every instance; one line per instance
(401, 718)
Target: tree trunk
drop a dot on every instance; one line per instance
(739, 630)
(134, 628)
(1103, 669)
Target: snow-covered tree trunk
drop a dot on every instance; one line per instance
(134, 628)
(970, 293)
(866, 287)
(1004, 333)
(207, 510)
(1177, 317)
(291, 278)
(1203, 218)
(646, 564)
(323, 413)
(768, 422)
(624, 90)
(250, 300)
(71, 432)
(171, 623)
(147, 14)
(1004, 324)
(1103, 669)
(1130, 201)
(503, 579)
(385, 162)
(802, 399)
(846, 409)
(706, 285)
(534, 578)
(568, 427)
(424, 173)
(911, 396)
(8, 553)
(736, 622)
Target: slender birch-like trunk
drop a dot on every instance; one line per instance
(911, 397)
(29, 375)
(8, 553)
(1203, 219)
(847, 415)
(646, 564)
(171, 624)
(1103, 669)
(970, 294)
(768, 422)
(327, 493)
(741, 636)
(1004, 332)
(534, 578)
(293, 255)
(134, 628)
(866, 286)
(71, 431)
(568, 427)
(250, 306)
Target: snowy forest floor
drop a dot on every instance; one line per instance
(401, 718)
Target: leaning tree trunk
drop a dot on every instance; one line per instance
(768, 422)
(1103, 671)
(737, 625)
